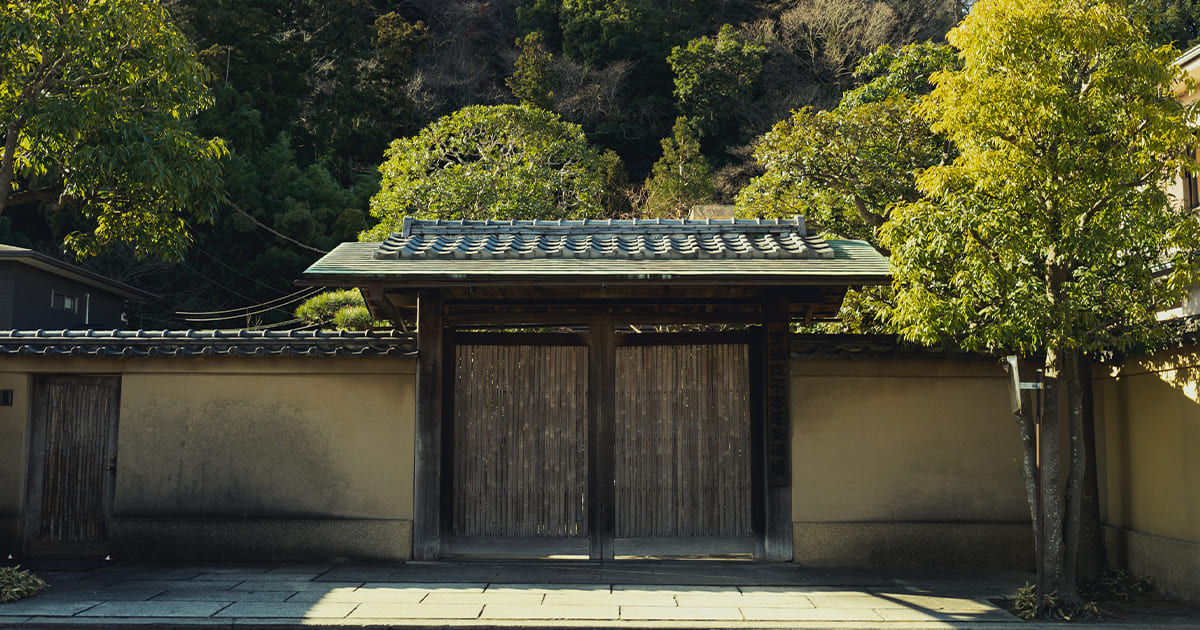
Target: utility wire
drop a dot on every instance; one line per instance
(309, 290)
(248, 314)
(272, 231)
(257, 281)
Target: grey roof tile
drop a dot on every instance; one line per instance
(636, 239)
(205, 343)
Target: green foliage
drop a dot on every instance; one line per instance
(1116, 584)
(681, 178)
(1171, 21)
(889, 73)
(715, 77)
(1024, 605)
(502, 161)
(846, 168)
(597, 32)
(1046, 231)
(533, 80)
(94, 99)
(355, 318)
(17, 583)
(343, 310)
(397, 40)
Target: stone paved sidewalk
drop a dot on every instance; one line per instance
(476, 594)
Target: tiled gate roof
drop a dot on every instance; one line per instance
(775, 250)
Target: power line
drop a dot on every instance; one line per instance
(309, 290)
(272, 231)
(234, 270)
(258, 312)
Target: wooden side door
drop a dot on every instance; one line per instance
(519, 432)
(683, 446)
(73, 454)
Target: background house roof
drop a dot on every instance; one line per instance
(78, 274)
(776, 251)
(205, 343)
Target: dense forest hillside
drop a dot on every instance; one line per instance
(309, 94)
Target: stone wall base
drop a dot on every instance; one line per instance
(1173, 563)
(294, 540)
(915, 545)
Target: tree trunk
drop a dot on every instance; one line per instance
(12, 134)
(1076, 465)
(1091, 560)
(1053, 508)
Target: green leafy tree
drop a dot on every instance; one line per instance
(94, 101)
(681, 178)
(501, 161)
(714, 77)
(1044, 237)
(532, 82)
(846, 168)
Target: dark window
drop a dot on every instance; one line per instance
(63, 301)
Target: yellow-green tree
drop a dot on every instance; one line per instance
(94, 102)
(1045, 236)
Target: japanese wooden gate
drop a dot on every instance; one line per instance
(587, 436)
(601, 442)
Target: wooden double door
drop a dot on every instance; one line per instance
(642, 447)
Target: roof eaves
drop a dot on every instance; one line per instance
(205, 343)
(57, 267)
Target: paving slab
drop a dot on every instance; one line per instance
(357, 595)
(155, 609)
(912, 614)
(582, 612)
(294, 586)
(810, 614)
(548, 588)
(666, 613)
(199, 595)
(289, 610)
(429, 587)
(854, 600)
(508, 599)
(606, 599)
(47, 607)
(418, 611)
(173, 585)
(102, 594)
(775, 600)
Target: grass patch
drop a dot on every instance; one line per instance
(17, 583)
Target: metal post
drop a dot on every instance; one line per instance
(1041, 492)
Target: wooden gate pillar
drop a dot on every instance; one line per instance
(431, 368)
(602, 522)
(777, 430)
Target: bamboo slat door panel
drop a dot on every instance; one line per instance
(520, 441)
(73, 463)
(683, 442)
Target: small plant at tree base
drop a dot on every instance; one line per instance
(17, 583)
(1115, 584)
(1108, 586)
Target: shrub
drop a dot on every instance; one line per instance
(16, 583)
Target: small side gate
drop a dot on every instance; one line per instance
(73, 449)
(536, 471)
